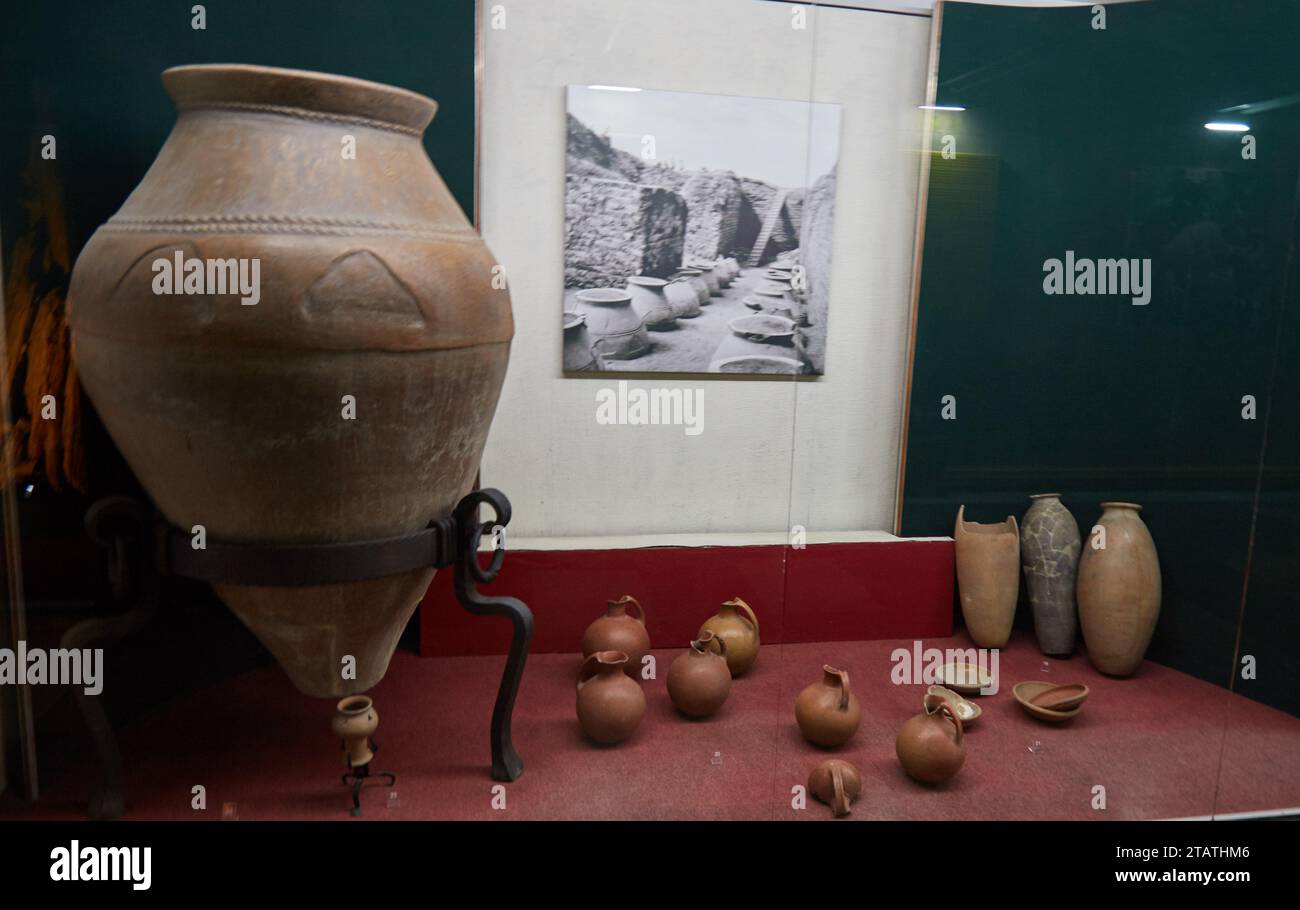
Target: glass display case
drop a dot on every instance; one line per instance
(730, 411)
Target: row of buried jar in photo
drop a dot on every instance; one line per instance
(611, 703)
(1107, 585)
(616, 323)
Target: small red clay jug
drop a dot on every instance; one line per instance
(618, 630)
(610, 705)
(929, 745)
(827, 711)
(699, 680)
(836, 783)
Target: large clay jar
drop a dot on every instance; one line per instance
(988, 577)
(710, 278)
(929, 745)
(760, 336)
(696, 279)
(618, 630)
(836, 783)
(699, 681)
(827, 711)
(739, 635)
(374, 293)
(617, 328)
(650, 302)
(683, 297)
(1118, 590)
(355, 721)
(1049, 555)
(579, 346)
(610, 705)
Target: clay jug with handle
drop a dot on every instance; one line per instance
(610, 705)
(699, 680)
(827, 711)
(836, 783)
(739, 632)
(618, 630)
(929, 745)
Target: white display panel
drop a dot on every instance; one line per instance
(820, 452)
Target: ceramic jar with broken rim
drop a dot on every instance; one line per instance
(836, 783)
(988, 577)
(930, 746)
(699, 681)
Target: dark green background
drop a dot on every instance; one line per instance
(87, 71)
(1093, 141)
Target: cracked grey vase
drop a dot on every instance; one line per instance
(1049, 555)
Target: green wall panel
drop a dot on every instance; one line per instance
(86, 72)
(1093, 141)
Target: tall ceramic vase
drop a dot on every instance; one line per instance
(372, 293)
(1049, 555)
(1118, 589)
(988, 577)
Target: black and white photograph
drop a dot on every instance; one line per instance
(698, 232)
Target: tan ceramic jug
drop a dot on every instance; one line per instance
(699, 681)
(1119, 590)
(836, 783)
(929, 745)
(610, 705)
(827, 711)
(355, 721)
(988, 577)
(740, 633)
(618, 630)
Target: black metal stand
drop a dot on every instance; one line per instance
(357, 775)
(143, 549)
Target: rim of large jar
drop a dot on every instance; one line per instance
(251, 87)
(1115, 504)
(604, 296)
(1044, 495)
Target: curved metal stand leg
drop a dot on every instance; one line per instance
(506, 764)
(123, 526)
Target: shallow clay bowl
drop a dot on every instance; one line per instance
(968, 711)
(1025, 693)
(967, 679)
(1062, 698)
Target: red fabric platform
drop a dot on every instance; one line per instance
(823, 592)
(1162, 744)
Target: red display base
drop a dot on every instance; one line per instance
(823, 592)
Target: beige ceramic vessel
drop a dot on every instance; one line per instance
(988, 577)
(372, 288)
(738, 632)
(1118, 590)
(355, 721)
